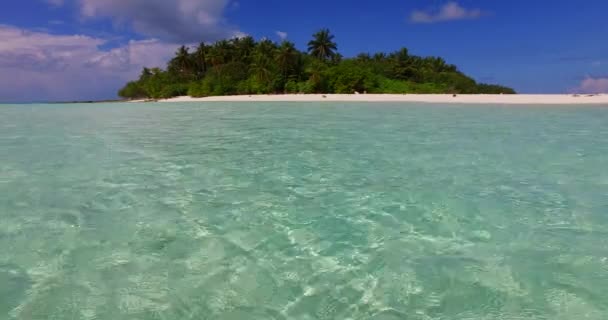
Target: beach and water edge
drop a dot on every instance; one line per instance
(518, 99)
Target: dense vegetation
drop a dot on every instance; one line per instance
(244, 66)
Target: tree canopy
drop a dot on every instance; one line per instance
(322, 46)
(246, 66)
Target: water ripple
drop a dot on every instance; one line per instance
(270, 211)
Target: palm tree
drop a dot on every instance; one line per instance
(243, 48)
(401, 56)
(200, 59)
(336, 58)
(322, 45)
(438, 64)
(221, 52)
(182, 60)
(379, 57)
(155, 71)
(261, 69)
(403, 66)
(364, 57)
(146, 73)
(286, 58)
(315, 70)
(263, 65)
(265, 47)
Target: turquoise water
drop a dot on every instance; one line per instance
(303, 211)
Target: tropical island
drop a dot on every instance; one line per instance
(244, 66)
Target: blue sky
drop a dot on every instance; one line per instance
(81, 49)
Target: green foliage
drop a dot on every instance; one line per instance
(155, 85)
(220, 80)
(244, 66)
(132, 90)
(196, 90)
(400, 86)
(428, 87)
(316, 73)
(387, 85)
(494, 89)
(183, 67)
(174, 90)
(456, 82)
(306, 87)
(291, 87)
(350, 77)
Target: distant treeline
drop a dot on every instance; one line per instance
(246, 66)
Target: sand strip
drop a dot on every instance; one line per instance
(554, 99)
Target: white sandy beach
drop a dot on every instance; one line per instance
(551, 99)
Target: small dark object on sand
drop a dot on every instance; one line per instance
(324, 96)
(454, 95)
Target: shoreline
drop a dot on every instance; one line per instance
(550, 99)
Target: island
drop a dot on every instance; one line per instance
(244, 66)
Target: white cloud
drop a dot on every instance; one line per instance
(43, 66)
(282, 35)
(39, 65)
(593, 85)
(177, 21)
(448, 12)
(240, 35)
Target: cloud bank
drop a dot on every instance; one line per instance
(449, 12)
(183, 21)
(593, 85)
(43, 66)
(40, 65)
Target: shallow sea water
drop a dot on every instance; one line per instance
(303, 211)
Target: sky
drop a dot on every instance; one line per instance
(87, 49)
